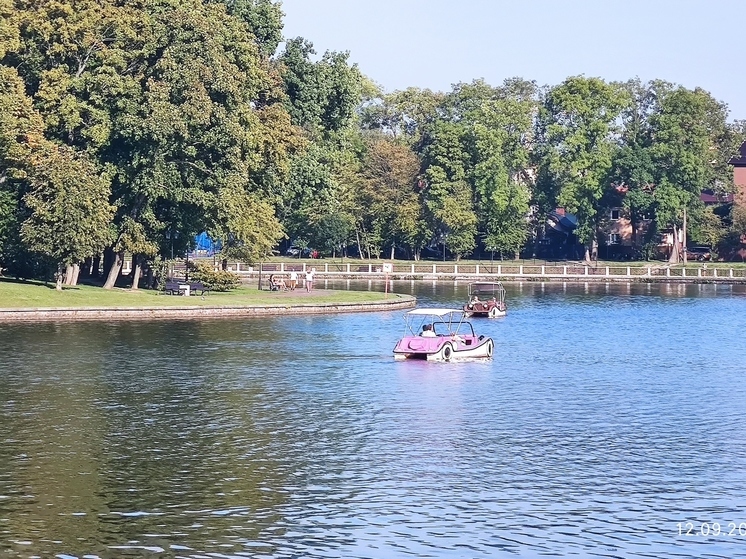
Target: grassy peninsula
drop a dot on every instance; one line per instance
(35, 294)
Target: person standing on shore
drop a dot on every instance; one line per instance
(309, 279)
(293, 280)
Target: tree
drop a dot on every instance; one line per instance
(387, 195)
(21, 131)
(577, 128)
(448, 197)
(321, 96)
(501, 143)
(173, 97)
(249, 229)
(686, 130)
(69, 210)
(264, 19)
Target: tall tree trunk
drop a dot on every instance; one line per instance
(675, 248)
(357, 238)
(108, 260)
(60, 274)
(115, 270)
(392, 250)
(95, 265)
(76, 274)
(136, 269)
(69, 274)
(150, 281)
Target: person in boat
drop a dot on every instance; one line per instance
(474, 299)
(428, 332)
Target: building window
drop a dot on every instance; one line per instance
(616, 213)
(614, 239)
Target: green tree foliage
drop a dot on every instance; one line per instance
(264, 18)
(448, 198)
(685, 130)
(501, 142)
(477, 163)
(216, 280)
(183, 114)
(578, 124)
(387, 197)
(321, 96)
(21, 133)
(173, 97)
(68, 205)
(631, 182)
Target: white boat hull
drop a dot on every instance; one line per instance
(452, 350)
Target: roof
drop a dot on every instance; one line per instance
(710, 197)
(434, 312)
(740, 160)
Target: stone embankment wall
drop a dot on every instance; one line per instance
(187, 312)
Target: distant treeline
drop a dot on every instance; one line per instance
(131, 127)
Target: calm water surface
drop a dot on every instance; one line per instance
(611, 415)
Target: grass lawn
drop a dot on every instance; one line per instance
(32, 294)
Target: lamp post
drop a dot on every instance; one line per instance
(170, 236)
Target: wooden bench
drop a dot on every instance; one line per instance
(198, 286)
(172, 288)
(175, 287)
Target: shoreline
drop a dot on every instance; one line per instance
(51, 314)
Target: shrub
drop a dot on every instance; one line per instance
(216, 280)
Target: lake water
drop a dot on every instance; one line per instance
(611, 416)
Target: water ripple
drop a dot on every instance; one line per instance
(610, 418)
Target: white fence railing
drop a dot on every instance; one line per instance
(502, 271)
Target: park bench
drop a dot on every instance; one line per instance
(172, 288)
(198, 286)
(175, 287)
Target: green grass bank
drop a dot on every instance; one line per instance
(33, 300)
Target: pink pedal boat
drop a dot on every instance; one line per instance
(441, 335)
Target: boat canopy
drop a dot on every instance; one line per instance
(485, 285)
(433, 312)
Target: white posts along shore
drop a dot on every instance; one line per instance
(507, 272)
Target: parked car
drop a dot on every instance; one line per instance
(699, 253)
(298, 252)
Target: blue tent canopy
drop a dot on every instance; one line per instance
(205, 246)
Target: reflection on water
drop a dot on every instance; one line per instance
(610, 414)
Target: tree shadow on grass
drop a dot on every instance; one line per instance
(38, 283)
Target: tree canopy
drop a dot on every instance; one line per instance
(131, 127)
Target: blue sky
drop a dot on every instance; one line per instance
(436, 43)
